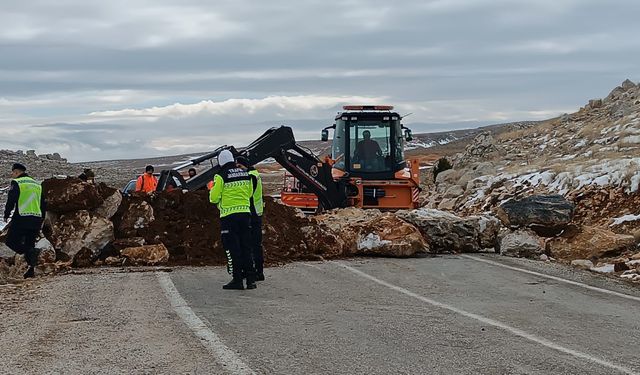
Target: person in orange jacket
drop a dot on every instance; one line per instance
(147, 182)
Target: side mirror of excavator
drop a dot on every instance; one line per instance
(325, 135)
(407, 135)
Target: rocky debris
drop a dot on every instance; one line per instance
(445, 232)
(447, 176)
(521, 243)
(81, 232)
(123, 243)
(582, 263)
(110, 205)
(5, 251)
(589, 242)
(70, 195)
(547, 215)
(149, 255)
(134, 215)
(114, 261)
(488, 230)
(483, 146)
(371, 232)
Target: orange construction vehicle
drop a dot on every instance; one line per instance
(368, 151)
(366, 168)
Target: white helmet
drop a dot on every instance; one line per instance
(225, 157)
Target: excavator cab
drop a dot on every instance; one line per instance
(368, 149)
(368, 142)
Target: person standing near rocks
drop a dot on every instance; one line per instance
(147, 182)
(28, 205)
(231, 192)
(257, 208)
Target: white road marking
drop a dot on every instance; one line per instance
(495, 323)
(226, 357)
(570, 282)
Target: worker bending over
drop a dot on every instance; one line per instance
(232, 193)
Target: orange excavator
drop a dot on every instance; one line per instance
(366, 168)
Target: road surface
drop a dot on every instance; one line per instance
(478, 314)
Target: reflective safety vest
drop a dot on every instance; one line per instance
(30, 197)
(232, 190)
(257, 203)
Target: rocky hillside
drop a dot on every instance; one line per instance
(591, 157)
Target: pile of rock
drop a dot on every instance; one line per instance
(92, 224)
(46, 166)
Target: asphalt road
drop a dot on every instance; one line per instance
(443, 315)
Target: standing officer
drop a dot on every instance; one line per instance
(257, 208)
(232, 192)
(27, 203)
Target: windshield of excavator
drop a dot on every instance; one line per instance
(373, 145)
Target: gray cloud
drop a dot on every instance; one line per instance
(446, 61)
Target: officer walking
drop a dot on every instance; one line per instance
(257, 208)
(231, 192)
(28, 205)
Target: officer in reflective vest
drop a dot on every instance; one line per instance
(232, 192)
(257, 208)
(27, 203)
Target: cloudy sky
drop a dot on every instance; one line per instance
(118, 79)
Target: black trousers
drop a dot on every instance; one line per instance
(22, 239)
(256, 243)
(236, 241)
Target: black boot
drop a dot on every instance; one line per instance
(260, 276)
(251, 283)
(235, 284)
(30, 274)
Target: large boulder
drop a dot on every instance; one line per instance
(81, 230)
(547, 215)
(454, 191)
(443, 231)
(522, 243)
(47, 253)
(148, 255)
(354, 231)
(5, 251)
(138, 215)
(488, 229)
(70, 195)
(389, 236)
(448, 176)
(110, 206)
(589, 242)
(482, 147)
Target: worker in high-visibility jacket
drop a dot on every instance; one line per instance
(257, 208)
(27, 203)
(231, 192)
(147, 182)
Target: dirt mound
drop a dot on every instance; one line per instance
(189, 226)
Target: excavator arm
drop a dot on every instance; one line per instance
(279, 144)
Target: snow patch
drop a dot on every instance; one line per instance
(607, 268)
(372, 241)
(624, 219)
